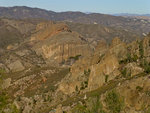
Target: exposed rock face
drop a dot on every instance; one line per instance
(62, 46)
(74, 81)
(118, 48)
(100, 50)
(57, 43)
(133, 48)
(16, 66)
(69, 87)
(133, 69)
(47, 29)
(107, 67)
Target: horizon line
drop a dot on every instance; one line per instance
(85, 12)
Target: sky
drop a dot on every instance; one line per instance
(98, 6)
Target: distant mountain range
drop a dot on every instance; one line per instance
(127, 24)
(128, 14)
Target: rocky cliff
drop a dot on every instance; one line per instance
(58, 43)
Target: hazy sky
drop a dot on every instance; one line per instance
(100, 6)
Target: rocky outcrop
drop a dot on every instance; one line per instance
(146, 46)
(46, 30)
(133, 48)
(16, 66)
(133, 69)
(118, 48)
(106, 70)
(99, 52)
(62, 46)
(69, 86)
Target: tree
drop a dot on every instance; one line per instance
(114, 102)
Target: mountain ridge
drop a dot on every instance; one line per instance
(19, 12)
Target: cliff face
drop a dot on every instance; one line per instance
(101, 73)
(57, 43)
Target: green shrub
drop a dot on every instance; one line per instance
(93, 105)
(145, 65)
(79, 109)
(106, 78)
(87, 72)
(139, 88)
(134, 58)
(114, 102)
(147, 110)
(3, 101)
(75, 57)
(2, 74)
(129, 59)
(124, 72)
(147, 93)
(52, 88)
(14, 109)
(84, 85)
(77, 89)
(96, 106)
(141, 49)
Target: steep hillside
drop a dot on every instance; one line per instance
(56, 67)
(96, 32)
(115, 77)
(14, 31)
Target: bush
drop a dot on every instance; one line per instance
(3, 101)
(147, 93)
(84, 85)
(114, 102)
(96, 106)
(148, 110)
(87, 72)
(106, 78)
(14, 109)
(93, 105)
(53, 88)
(146, 66)
(124, 72)
(2, 74)
(79, 109)
(129, 59)
(75, 57)
(141, 49)
(139, 88)
(134, 58)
